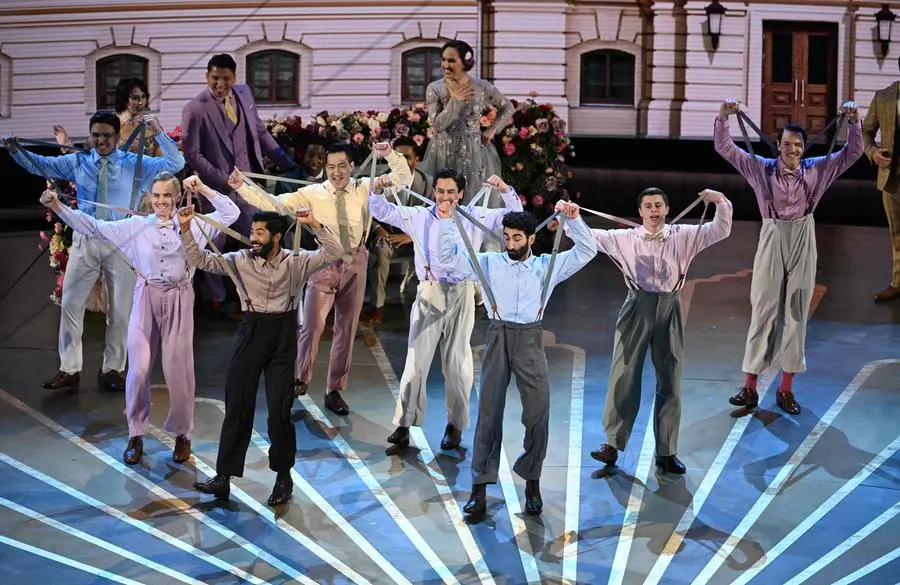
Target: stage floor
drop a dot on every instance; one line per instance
(767, 498)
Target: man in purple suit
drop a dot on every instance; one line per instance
(221, 131)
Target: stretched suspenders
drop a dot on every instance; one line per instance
(764, 181)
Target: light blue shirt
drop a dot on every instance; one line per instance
(151, 244)
(517, 285)
(83, 169)
(421, 224)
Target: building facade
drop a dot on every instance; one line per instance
(612, 68)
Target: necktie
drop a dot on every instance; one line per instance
(102, 182)
(343, 227)
(229, 109)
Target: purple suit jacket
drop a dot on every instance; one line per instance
(207, 146)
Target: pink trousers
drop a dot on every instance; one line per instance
(342, 285)
(162, 317)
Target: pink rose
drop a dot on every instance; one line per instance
(419, 139)
(524, 133)
(509, 149)
(537, 200)
(358, 138)
(484, 122)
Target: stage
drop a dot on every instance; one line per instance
(767, 498)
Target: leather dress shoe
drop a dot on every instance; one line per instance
(282, 491)
(218, 486)
(891, 292)
(606, 454)
(747, 397)
(671, 464)
(786, 402)
(336, 404)
(111, 380)
(300, 388)
(62, 381)
(134, 451)
(533, 502)
(452, 437)
(182, 451)
(477, 504)
(400, 436)
(376, 317)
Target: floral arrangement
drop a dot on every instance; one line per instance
(533, 148)
(59, 240)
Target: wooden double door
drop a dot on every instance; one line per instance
(799, 75)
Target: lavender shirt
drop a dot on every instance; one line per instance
(657, 264)
(152, 246)
(795, 192)
(423, 226)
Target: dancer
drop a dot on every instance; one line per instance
(268, 279)
(162, 318)
(882, 116)
(457, 106)
(516, 279)
(103, 175)
(390, 240)
(444, 309)
(654, 260)
(784, 270)
(341, 203)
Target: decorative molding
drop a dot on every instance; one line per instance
(397, 61)
(305, 64)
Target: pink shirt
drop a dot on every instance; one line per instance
(795, 193)
(659, 264)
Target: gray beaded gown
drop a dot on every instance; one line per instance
(457, 141)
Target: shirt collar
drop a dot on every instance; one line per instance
(662, 235)
(783, 171)
(154, 219)
(113, 157)
(274, 263)
(222, 100)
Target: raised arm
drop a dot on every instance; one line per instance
(263, 201)
(58, 167)
(226, 212)
(571, 261)
(835, 164)
(196, 256)
(390, 213)
(493, 218)
(400, 174)
(739, 158)
(171, 159)
(716, 230)
(330, 250)
(442, 115)
(119, 233)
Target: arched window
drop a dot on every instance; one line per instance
(274, 77)
(607, 77)
(111, 70)
(420, 67)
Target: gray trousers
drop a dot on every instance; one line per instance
(784, 279)
(654, 321)
(512, 348)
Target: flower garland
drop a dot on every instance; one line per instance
(59, 240)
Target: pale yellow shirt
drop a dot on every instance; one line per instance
(322, 200)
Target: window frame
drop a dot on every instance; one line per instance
(404, 56)
(272, 54)
(100, 91)
(608, 55)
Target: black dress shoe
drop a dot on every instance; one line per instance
(786, 402)
(747, 397)
(671, 464)
(336, 404)
(400, 436)
(111, 380)
(477, 504)
(300, 388)
(134, 451)
(218, 486)
(62, 381)
(606, 454)
(533, 502)
(282, 491)
(452, 437)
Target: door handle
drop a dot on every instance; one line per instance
(796, 86)
(802, 93)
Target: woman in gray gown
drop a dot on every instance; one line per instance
(456, 106)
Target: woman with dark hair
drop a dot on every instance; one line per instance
(132, 102)
(457, 106)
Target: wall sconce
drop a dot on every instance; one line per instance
(715, 12)
(884, 18)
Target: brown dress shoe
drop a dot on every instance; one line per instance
(62, 381)
(452, 437)
(786, 402)
(747, 397)
(300, 388)
(606, 454)
(134, 451)
(891, 292)
(182, 450)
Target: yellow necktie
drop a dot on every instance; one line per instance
(229, 109)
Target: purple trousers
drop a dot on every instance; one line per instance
(342, 285)
(162, 317)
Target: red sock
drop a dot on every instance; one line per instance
(750, 382)
(786, 380)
